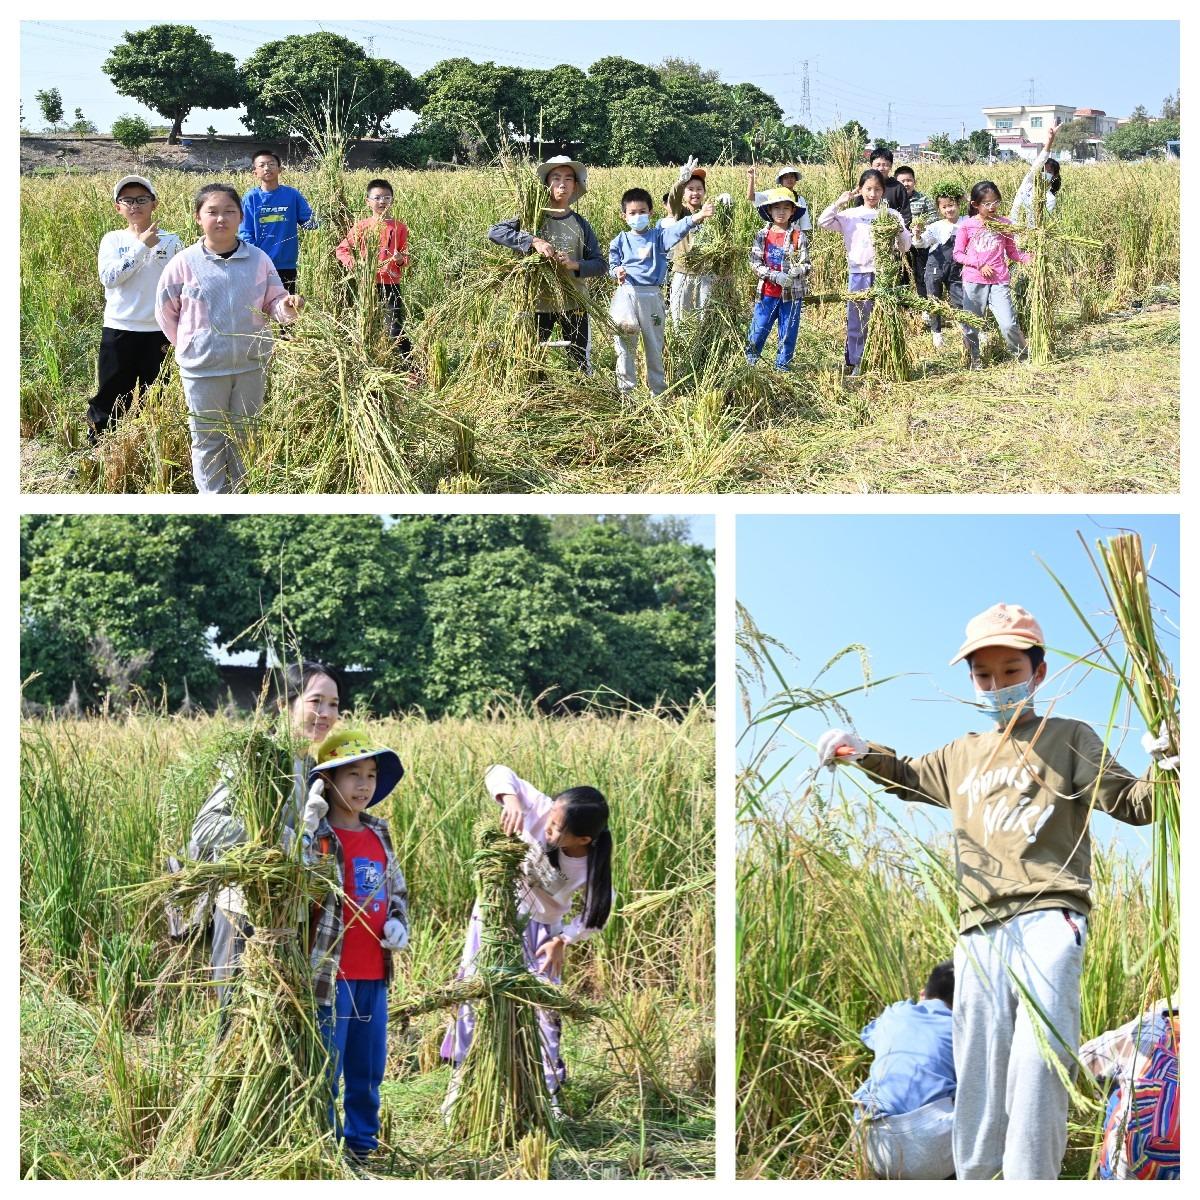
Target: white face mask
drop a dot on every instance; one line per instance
(638, 222)
(1047, 177)
(1001, 705)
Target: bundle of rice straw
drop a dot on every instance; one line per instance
(260, 1110)
(503, 1094)
(713, 249)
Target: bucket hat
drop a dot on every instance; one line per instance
(353, 745)
(775, 195)
(561, 160)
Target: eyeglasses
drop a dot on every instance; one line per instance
(135, 201)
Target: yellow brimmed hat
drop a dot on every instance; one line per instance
(775, 195)
(353, 745)
(1001, 625)
(562, 160)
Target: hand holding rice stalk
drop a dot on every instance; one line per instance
(713, 250)
(261, 1111)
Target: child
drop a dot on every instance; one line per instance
(569, 840)
(943, 276)
(356, 928)
(921, 210)
(213, 303)
(906, 1105)
(1022, 204)
(273, 215)
(855, 227)
(689, 293)
(132, 346)
(984, 255)
(1020, 796)
(568, 240)
(779, 257)
(637, 260)
(392, 236)
(894, 192)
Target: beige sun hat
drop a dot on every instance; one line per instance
(1001, 625)
(562, 160)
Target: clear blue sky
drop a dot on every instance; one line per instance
(905, 587)
(855, 67)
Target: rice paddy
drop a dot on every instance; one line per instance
(118, 1026)
(479, 408)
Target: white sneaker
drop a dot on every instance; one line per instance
(937, 339)
(555, 1108)
(451, 1095)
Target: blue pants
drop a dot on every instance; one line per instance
(354, 1029)
(858, 313)
(768, 310)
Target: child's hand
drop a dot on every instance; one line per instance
(620, 274)
(987, 271)
(845, 198)
(315, 807)
(833, 740)
(512, 819)
(295, 303)
(395, 936)
(544, 248)
(706, 212)
(550, 956)
(149, 235)
(566, 260)
(688, 169)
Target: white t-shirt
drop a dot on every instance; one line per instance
(130, 272)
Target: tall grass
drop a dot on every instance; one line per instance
(97, 964)
(473, 410)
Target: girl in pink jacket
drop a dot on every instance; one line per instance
(985, 253)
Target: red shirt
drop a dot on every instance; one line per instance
(393, 246)
(773, 253)
(366, 904)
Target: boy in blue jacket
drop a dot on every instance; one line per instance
(272, 216)
(637, 260)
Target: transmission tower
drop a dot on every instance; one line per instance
(889, 132)
(1032, 99)
(805, 98)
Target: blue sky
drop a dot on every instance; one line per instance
(856, 68)
(905, 587)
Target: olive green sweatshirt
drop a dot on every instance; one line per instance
(1020, 805)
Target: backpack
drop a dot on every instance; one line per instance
(1142, 1121)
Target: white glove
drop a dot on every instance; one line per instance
(688, 169)
(1157, 748)
(799, 270)
(395, 936)
(725, 198)
(832, 739)
(315, 807)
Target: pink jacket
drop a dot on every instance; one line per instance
(975, 246)
(214, 310)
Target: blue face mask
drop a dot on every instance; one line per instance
(1002, 704)
(638, 222)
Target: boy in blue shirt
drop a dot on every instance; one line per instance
(906, 1106)
(272, 215)
(637, 260)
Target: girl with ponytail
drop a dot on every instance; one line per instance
(570, 851)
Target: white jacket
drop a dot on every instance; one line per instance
(130, 272)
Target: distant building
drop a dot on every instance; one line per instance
(1021, 130)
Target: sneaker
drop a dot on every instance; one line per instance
(556, 1110)
(937, 339)
(976, 365)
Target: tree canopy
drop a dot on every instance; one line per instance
(441, 613)
(173, 69)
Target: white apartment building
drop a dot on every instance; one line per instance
(1021, 129)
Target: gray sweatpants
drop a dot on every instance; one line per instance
(219, 407)
(977, 299)
(652, 328)
(913, 1145)
(1010, 1115)
(689, 293)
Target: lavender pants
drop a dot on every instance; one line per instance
(458, 1036)
(858, 312)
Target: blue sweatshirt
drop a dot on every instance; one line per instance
(644, 255)
(914, 1058)
(270, 221)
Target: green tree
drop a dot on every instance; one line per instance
(643, 131)
(940, 143)
(672, 69)
(1072, 138)
(1137, 139)
(565, 105)
(51, 103)
(131, 132)
(616, 77)
(81, 124)
(472, 99)
(290, 83)
(983, 143)
(1170, 107)
(172, 69)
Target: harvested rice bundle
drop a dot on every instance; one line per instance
(261, 1111)
(714, 248)
(502, 1093)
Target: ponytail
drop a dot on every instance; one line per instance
(587, 816)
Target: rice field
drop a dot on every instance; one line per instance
(116, 1022)
(471, 412)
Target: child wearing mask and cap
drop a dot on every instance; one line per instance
(131, 262)
(689, 292)
(1021, 796)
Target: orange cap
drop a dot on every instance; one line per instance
(1002, 625)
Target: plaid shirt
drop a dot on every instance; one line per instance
(328, 924)
(797, 251)
(922, 208)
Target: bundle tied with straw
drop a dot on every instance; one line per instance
(502, 1094)
(260, 1109)
(713, 249)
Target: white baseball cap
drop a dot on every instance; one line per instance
(128, 179)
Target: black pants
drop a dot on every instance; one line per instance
(393, 307)
(916, 259)
(574, 326)
(128, 360)
(287, 276)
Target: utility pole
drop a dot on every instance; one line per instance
(1031, 91)
(805, 98)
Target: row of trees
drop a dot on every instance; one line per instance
(443, 612)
